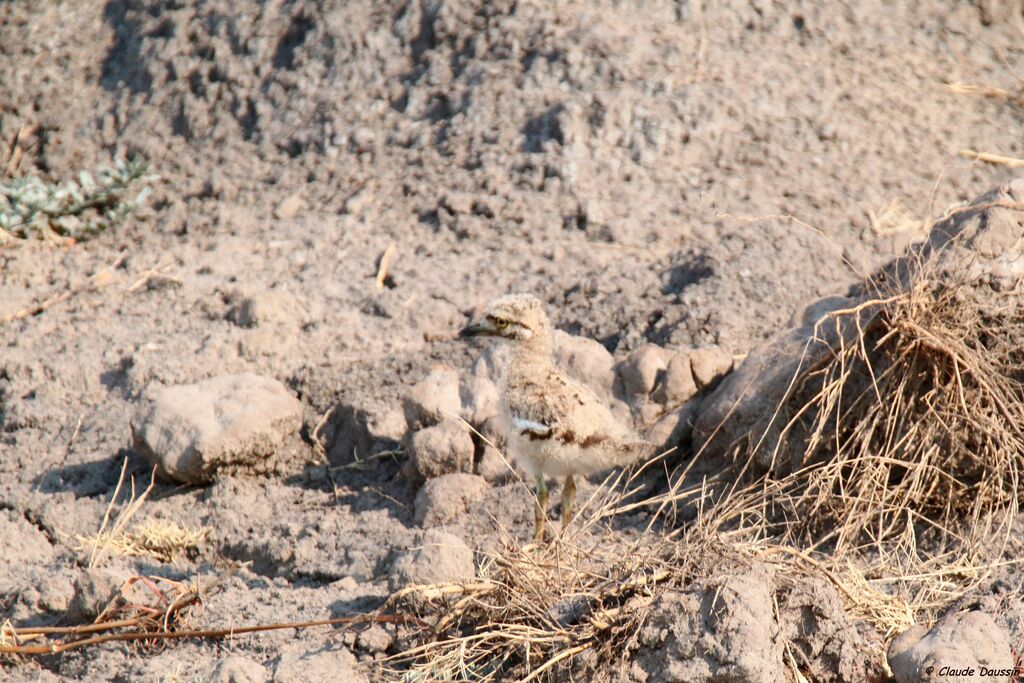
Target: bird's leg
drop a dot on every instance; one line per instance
(541, 511)
(568, 500)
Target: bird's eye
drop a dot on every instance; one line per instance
(500, 323)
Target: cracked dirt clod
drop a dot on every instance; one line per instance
(191, 432)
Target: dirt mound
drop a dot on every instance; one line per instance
(913, 380)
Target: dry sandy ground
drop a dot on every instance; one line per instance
(682, 173)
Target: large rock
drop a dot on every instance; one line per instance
(834, 645)
(709, 365)
(237, 669)
(192, 432)
(93, 591)
(479, 394)
(358, 430)
(586, 361)
(955, 650)
(435, 557)
(675, 427)
(494, 466)
(676, 383)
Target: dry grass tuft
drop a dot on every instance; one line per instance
(910, 436)
(161, 539)
(536, 607)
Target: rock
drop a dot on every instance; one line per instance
(740, 409)
(56, 594)
(374, 639)
(362, 139)
(639, 371)
(267, 342)
(22, 542)
(819, 308)
(646, 412)
(237, 669)
(675, 427)
(457, 202)
(586, 361)
(621, 412)
(813, 621)
(442, 449)
(955, 649)
(722, 629)
(358, 201)
(290, 207)
(709, 365)
(191, 432)
(676, 384)
(93, 591)
(436, 557)
(433, 399)
(332, 662)
(446, 498)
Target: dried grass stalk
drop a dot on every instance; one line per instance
(912, 432)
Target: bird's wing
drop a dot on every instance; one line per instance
(552, 406)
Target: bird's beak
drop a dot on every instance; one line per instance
(477, 330)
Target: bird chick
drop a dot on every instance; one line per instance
(554, 425)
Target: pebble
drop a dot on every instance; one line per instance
(290, 207)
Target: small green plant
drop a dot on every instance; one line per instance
(31, 207)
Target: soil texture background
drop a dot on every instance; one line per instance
(689, 174)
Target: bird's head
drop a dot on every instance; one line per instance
(514, 317)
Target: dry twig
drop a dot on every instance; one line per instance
(99, 279)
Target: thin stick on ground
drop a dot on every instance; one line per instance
(988, 91)
(99, 279)
(57, 647)
(998, 159)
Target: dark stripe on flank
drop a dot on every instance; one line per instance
(566, 436)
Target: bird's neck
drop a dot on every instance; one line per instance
(532, 353)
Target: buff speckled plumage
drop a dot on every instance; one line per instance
(554, 425)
